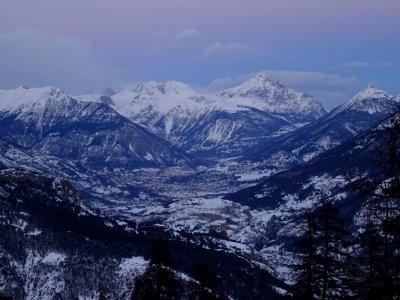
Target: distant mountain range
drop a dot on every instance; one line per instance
(48, 122)
(89, 143)
(365, 109)
(224, 125)
(359, 128)
(93, 140)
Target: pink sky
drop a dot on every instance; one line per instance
(201, 40)
(96, 20)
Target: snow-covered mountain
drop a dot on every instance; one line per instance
(330, 173)
(280, 201)
(272, 96)
(89, 140)
(365, 109)
(370, 100)
(46, 121)
(86, 142)
(215, 126)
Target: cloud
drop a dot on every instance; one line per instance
(160, 36)
(232, 50)
(314, 80)
(189, 42)
(332, 90)
(184, 41)
(366, 64)
(34, 58)
(222, 83)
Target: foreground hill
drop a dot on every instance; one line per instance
(54, 246)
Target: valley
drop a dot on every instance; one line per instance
(199, 150)
(237, 170)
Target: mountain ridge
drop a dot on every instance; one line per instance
(367, 108)
(203, 124)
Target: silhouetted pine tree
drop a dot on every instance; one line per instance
(386, 204)
(159, 280)
(205, 288)
(376, 268)
(102, 295)
(305, 269)
(365, 270)
(322, 253)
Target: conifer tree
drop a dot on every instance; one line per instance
(205, 288)
(158, 281)
(377, 252)
(322, 253)
(305, 269)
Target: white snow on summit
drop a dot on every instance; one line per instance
(192, 120)
(13, 99)
(261, 92)
(196, 121)
(158, 99)
(370, 100)
(270, 95)
(157, 88)
(261, 85)
(370, 92)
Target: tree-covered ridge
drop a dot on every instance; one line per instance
(356, 261)
(50, 233)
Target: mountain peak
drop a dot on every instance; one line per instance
(274, 96)
(261, 76)
(260, 85)
(370, 92)
(12, 99)
(53, 92)
(370, 100)
(264, 78)
(174, 87)
(154, 88)
(109, 92)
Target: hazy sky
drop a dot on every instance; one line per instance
(329, 48)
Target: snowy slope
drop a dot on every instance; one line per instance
(278, 202)
(268, 94)
(215, 126)
(365, 109)
(370, 100)
(49, 122)
(26, 98)
(88, 143)
(53, 246)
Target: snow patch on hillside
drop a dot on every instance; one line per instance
(135, 265)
